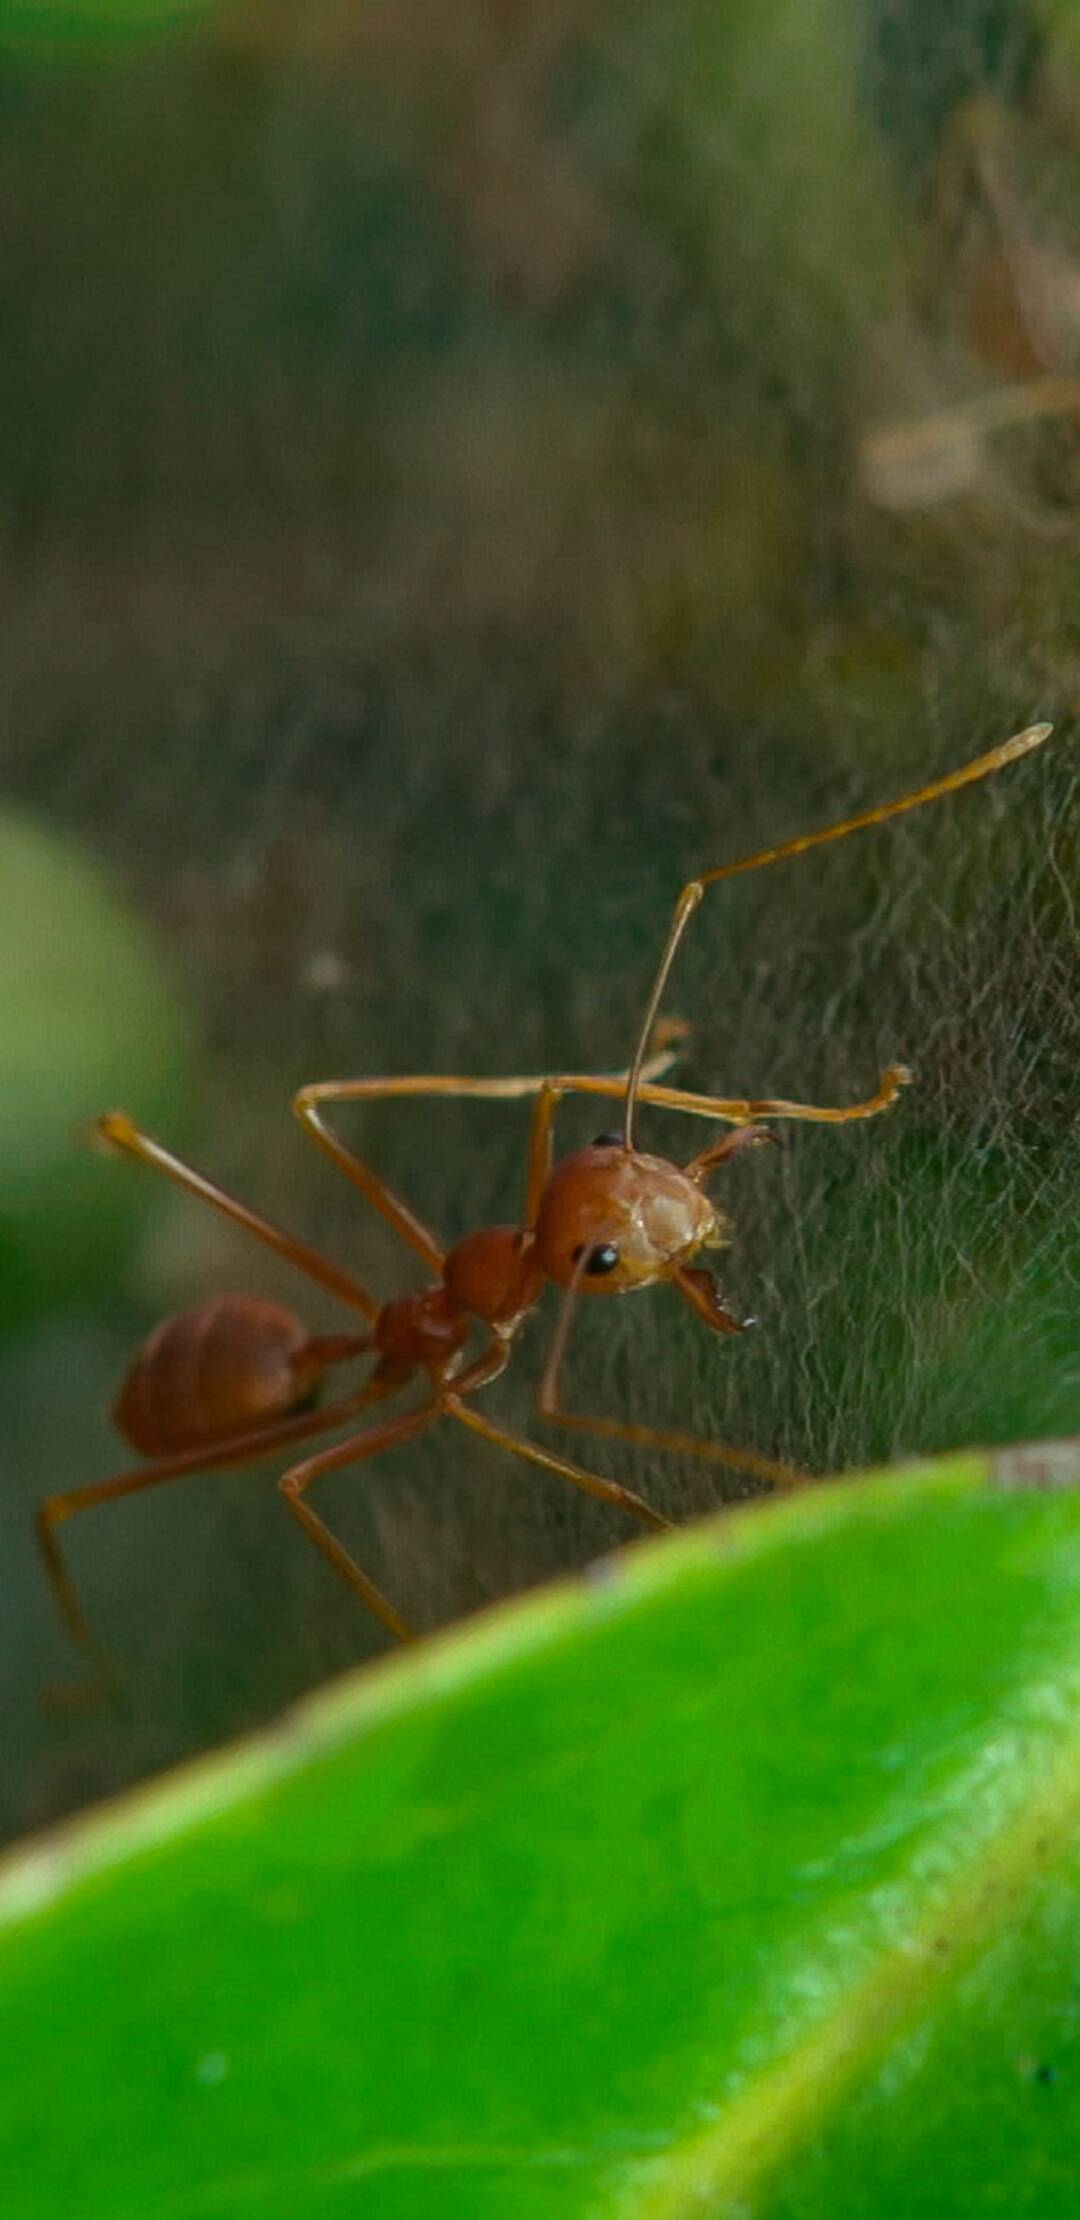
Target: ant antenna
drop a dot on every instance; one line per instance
(983, 767)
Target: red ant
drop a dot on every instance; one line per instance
(232, 1380)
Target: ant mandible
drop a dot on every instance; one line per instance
(232, 1380)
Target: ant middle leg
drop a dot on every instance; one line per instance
(295, 1483)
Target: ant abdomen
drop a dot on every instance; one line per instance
(220, 1369)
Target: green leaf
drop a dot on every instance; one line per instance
(740, 1878)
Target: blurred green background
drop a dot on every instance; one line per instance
(463, 470)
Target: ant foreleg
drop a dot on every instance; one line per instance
(655, 1437)
(735, 1110)
(590, 1483)
(779, 1475)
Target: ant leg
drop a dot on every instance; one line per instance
(733, 1144)
(736, 1110)
(741, 1114)
(668, 1034)
(706, 1302)
(780, 1476)
(243, 1449)
(590, 1483)
(295, 1484)
(747, 1113)
(120, 1132)
(485, 1368)
(541, 1149)
(308, 1108)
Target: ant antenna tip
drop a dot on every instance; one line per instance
(1022, 742)
(111, 1127)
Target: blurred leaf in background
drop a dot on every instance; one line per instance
(90, 1013)
(46, 25)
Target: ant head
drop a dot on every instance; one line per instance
(612, 1220)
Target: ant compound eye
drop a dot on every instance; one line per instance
(607, 1141)
(600, 1260)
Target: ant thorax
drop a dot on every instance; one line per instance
(494, 1275)
(612, 1220)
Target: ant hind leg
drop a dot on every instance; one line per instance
(220, 1456)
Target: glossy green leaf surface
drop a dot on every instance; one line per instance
(740, 1878)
